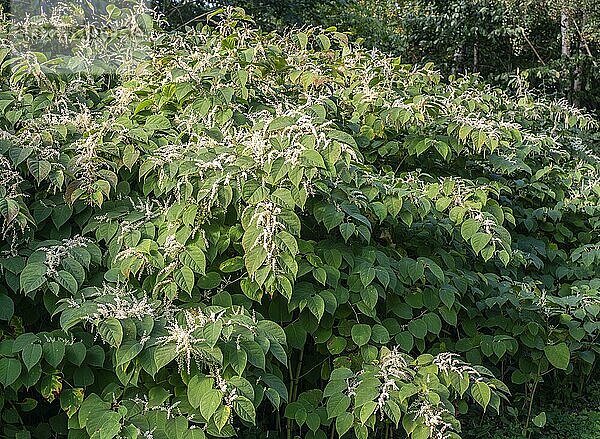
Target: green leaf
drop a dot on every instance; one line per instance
(558, 355)
(90, 407)
(280, 123)
(336, 345)
(209, 402)
(320, 275)
(254, 259)
(194, 258)
(370, 296)
(232, 265)
(238, 360)
(540, 420)
(392, 410)
(61, 214)
(464, 131)
(7, 307)
(479, 241)
(40, 169)
(256, 355)
(334, 387)
(272, 331)
(70, 400)
(184, 277)
(343, 423)
(221, 416)
(111, 332)
(337, 404)
(313, 421)
(31, 354)
(54, 352)
(420, 432)
(75, 268)
(316, 305)
(347, 230)
(127, 352)
(447, 297)
(164, 354)
(361, 334)
(274, 382)
(504, 257)
(130, 155)
(10, 369)
(95, 356)
(105, 425)
(481, 393)
(405, 340)
(209, 281)
(32, 277)
(367, 390)
(245, 409)
(67, 281)
(418, 328)
(379, 334)
(157, 395)
(76, 353)
(198, 386)
(433, 322)
(367, 410)
(157, 122)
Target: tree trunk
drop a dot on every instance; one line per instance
(564, 33)
(578, 72)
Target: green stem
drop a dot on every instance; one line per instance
(298, 372)
(294, 388)
(535, 383)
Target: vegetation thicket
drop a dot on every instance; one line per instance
(224, 231)
(554, 45)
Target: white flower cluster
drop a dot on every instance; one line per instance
(82, 119)
(171, 410)
(172, 247)
(433, 417)
(124, 96)
(115, 301)
(588, 300)
(86, 162)
(450, 362)
(259, 142)
(392, 368)
(183, 335)
(530, 291)
(55, 254)
(10, 181)
(266, 219)
(66, 341)
(565, 113)
(492, 129)
(150, 209)
(33, 136)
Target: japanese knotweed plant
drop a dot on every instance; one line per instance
(218, 231)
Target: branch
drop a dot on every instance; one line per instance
(585, 44)
(532, 48)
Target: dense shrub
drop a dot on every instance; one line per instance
(496, 38)
(206, 228)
